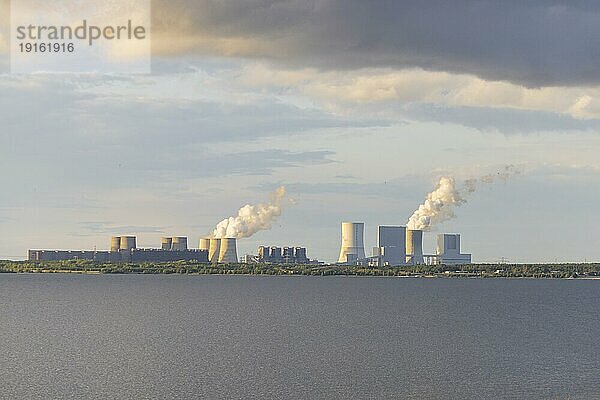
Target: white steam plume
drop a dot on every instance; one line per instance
(439, 204)
(251, 218)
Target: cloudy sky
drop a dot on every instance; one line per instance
(357, 107)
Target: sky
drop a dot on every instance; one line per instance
(357, 107)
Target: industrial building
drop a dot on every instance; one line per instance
(397, 246)
(279, 255)
(124, 249)
(391, 245)
(448, 250)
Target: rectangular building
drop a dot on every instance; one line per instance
(391, 242)
(448, 250)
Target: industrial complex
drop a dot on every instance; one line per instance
(279, 255)
(124, 249)
(396, 246)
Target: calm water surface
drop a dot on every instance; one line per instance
(182, 337)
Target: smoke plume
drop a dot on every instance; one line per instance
(440, 204)
(251, 218)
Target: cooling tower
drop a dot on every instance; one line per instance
(204, 244)
(352, 241)
(179, 244)
(128, 243)
(115, 243)
(214, 249)
(228, 252)
(288, 252)
(300, 253)
(414, 247)
(264, 253)
(276, 252)
(166, 243)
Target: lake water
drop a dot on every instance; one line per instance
(238, 337)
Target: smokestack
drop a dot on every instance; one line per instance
(204, 244)
(166, 243)
(213, 250)
(228, 252)
(352, 241)
(414, 247)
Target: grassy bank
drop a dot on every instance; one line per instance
(473, 270)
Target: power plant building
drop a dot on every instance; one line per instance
(399, 246)
(391, 245)
(124, 249)
(279, 255)
(448, 250)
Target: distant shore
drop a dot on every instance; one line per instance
(555, 271)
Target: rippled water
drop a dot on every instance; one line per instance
(182, 337)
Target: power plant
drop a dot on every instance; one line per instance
(398, 246)
(124, 249)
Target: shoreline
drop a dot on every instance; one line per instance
(480, 271)
(439, 276)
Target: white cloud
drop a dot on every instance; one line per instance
(419, 86)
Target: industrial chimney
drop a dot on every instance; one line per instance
(228, 252)
(414, 247)
(213, 250)
(353, 247)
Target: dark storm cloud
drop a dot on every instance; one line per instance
(535, 43)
